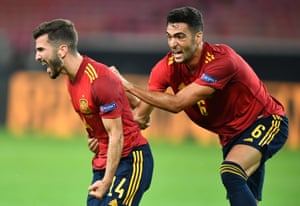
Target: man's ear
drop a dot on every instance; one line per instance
(62, 50)
(199, 37)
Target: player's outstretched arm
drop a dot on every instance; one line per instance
(175, 103)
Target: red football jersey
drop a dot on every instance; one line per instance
(240, 97)
(97, 93)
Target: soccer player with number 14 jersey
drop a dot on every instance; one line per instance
(123, 163)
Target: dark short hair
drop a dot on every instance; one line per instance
(59, 31)
(189, 15)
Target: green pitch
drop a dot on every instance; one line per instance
(44, 171)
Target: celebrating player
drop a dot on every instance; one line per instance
(123, 163)
(219, 91)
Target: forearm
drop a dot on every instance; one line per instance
(114, 153)
(157, 99)
(114, 130)
(99, 188)
(164, 101)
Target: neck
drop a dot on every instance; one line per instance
(192, 63)
(71, 65)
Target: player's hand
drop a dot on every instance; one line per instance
(93, 145)
(98, 189)
(115, 70)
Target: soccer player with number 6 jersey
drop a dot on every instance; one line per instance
(220, 92)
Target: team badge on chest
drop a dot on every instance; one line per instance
(84, 106)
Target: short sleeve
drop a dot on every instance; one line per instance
(217, 73)
(107, 93)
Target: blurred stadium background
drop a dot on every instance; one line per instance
(131, 35)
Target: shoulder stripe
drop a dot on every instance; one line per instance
(209, 57)
(170, 60)
(91, 72)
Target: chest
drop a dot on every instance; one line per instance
(82, 99)
(181, 77)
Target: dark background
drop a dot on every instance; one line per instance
(131, 34)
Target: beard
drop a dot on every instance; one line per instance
(189, 52)
(55, 65)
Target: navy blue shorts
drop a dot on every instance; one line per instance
(133, 177)
(268, 135)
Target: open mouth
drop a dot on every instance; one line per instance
(46, 66)
(44, 63)
(177, 54)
